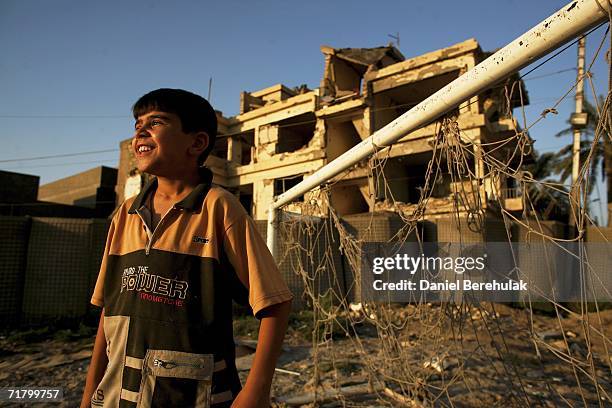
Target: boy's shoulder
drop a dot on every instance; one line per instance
(217, 192)
(221, 202)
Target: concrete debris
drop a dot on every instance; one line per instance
(332, 371)
(355, 307)
(283, 371)
(559, 344)
(329, 394)
(578, 349)
(440, 364)
(571, 334)
(402, 399)
(550, 335)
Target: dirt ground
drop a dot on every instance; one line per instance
(416, 361)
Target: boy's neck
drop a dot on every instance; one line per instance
(176, 188)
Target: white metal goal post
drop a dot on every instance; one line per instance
(564, 25)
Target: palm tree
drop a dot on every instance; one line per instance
(601, 159)
(549, 203)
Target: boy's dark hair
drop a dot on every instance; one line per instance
(196, 113)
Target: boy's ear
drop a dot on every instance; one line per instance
(200, 143)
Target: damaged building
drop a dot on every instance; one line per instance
(282, 135)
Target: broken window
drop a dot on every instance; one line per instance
(245, 196)
(283, 184)
(295, 133)
(220, 148)
(247, 141)
(240, 147)
(406, 178)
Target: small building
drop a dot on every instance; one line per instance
(19, 197)
(18, 187)
(93, 189)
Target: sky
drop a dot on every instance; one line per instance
(70, 70)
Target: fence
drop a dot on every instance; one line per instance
(48, 267)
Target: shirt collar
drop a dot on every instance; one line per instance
(193, 201)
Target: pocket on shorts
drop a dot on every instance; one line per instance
(176, 379)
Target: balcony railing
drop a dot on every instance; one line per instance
(512, 192)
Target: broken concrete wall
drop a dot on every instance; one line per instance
(284, 134)
(345, 68)
(266, 138)
(340, 137)
(348, 199)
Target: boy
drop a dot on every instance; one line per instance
(175, 256)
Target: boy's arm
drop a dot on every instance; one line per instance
(98, 364)
(256, 392)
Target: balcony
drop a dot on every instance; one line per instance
(512, 199)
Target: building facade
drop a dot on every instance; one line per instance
(283, 134)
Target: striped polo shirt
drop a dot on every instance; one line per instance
(167, 296)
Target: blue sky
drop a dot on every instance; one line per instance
(70, 70)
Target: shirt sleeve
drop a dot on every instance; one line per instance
(97, 298)
(254, 265)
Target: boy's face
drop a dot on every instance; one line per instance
(162, 148)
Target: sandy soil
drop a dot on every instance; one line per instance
(468, 363)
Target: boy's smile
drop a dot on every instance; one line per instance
(159, 144)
